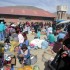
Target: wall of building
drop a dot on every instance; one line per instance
(23, 19)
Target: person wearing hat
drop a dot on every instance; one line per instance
(62, 58)
(24, 55)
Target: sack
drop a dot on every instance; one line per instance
(27, 68)
(33, 59)
(20, 68)
(44, 44)
(1, 50)
(1, 47)
(13, 45)
(36, 67)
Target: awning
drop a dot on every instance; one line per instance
(58, 21)
(64, 22)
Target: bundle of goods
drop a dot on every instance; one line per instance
(9, 59)
(1, 47)
(13, 45)
(36, 43)
(25, 68)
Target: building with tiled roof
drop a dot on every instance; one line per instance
(25, 13)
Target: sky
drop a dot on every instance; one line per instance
(48, 5)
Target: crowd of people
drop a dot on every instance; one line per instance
(58, 39)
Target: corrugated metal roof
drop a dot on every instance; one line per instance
(25, 11)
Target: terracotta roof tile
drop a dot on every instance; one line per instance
(26, 11)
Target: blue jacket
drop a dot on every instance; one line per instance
(2, 27)
(61, 35)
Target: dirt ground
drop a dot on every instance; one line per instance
(41, 62)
